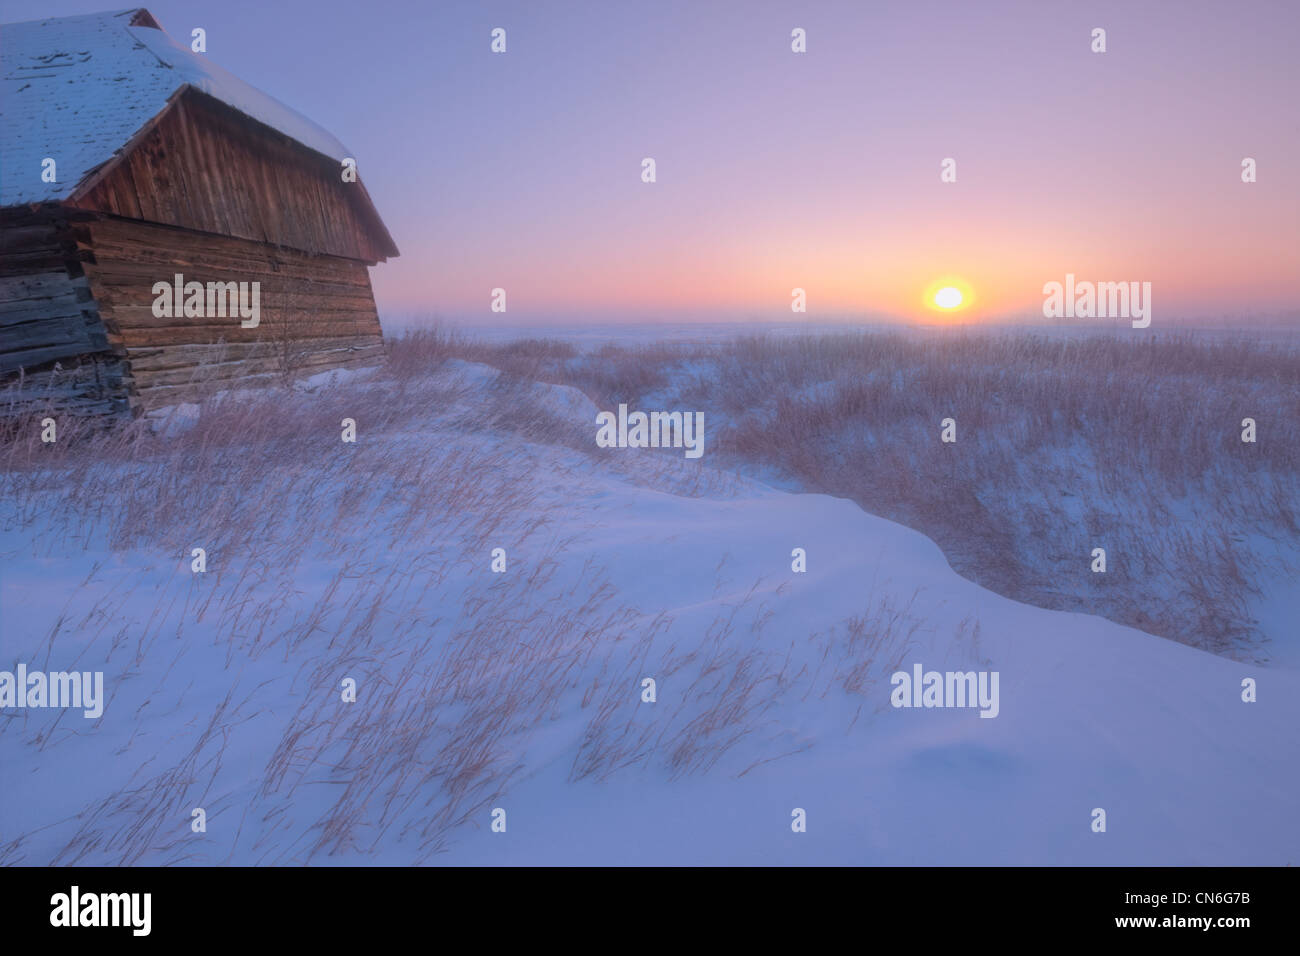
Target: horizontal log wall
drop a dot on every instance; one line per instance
(54, 351)
(206, 167)
(46, 312)
(87, 385)
(316, 312)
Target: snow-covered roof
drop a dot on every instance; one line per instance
(78, 88)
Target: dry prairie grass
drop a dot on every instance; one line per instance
(370, 561)
(1063, 445)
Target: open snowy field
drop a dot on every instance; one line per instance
(518, 696)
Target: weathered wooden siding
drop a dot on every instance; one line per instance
(46, 310)
(53, 347)
(204, 166)
(317, 311)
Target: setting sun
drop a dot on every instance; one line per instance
(948, 297)
(949, 294)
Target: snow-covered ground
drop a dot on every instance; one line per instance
(523, 691)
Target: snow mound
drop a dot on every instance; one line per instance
(522, 688)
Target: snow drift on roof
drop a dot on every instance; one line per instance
(78, 88)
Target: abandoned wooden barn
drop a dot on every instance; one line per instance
(128, 163)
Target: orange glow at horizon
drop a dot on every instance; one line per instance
(843, 273)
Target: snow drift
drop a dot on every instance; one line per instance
(522, 691)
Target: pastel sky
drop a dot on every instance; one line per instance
(775, 170)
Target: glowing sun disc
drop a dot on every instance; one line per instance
(948, 298)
